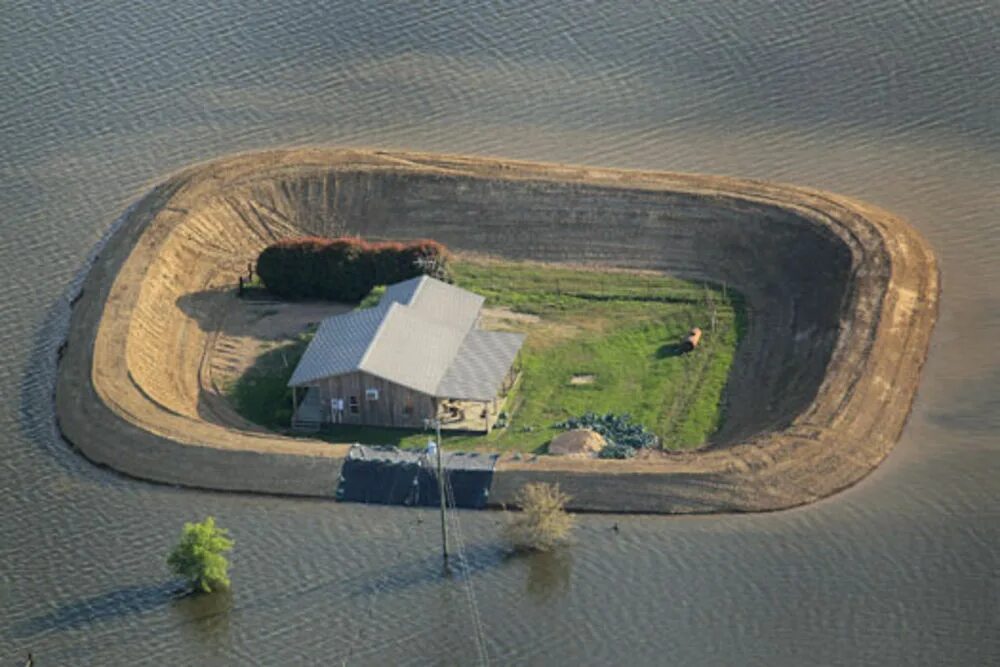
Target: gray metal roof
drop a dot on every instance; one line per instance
(480, 365)
(437, 300)
(339, 345)
(412, 350)
(420, 335)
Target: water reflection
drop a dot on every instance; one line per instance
(548, 574)
(426, 570)
(973, 408)
(113, 604)
(101, 105)
(205, 618)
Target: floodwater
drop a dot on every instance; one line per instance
(891, 101)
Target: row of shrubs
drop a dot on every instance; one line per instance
(347, 268)
(622, 435)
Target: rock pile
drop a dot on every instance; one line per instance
(580, 442)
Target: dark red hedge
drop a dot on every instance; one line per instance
(346, 268)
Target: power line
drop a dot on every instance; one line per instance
(466, 575)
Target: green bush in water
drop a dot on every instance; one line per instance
(198, 556)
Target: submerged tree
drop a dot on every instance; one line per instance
(198, 556)
(542, 524)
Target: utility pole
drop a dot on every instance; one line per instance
(440, 475)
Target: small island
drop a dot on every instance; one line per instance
(549, 343)
(816, 312)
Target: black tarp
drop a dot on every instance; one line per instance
(391, 476)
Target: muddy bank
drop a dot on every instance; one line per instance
(842, 299)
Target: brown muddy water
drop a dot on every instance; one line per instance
(893, 102)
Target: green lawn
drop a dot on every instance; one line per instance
(620, 328)
(262, 394)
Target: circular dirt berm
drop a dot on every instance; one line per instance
(841, 298)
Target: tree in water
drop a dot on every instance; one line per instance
(198, 556)
(542, 524)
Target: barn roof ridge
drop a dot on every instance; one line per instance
(378, 330)
(422, 334)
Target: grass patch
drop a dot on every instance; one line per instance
(373, 297)
(262, 394)
(622, 328)
(619, 329)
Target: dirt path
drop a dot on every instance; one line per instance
(842, 297)
(248, 329)
(251, 328)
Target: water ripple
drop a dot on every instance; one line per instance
(894, 102)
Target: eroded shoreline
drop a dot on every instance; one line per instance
(842, 297)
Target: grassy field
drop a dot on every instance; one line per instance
(615, 332)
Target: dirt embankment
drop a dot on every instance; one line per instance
(842, 298)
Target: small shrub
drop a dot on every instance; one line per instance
(542, 524)
(616, 452)
(198, 556)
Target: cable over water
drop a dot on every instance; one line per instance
(466, 574)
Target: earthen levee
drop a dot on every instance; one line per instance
(842, 298)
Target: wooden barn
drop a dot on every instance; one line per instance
(419, 354)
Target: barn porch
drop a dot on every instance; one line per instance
(476, 415)
(472, 416)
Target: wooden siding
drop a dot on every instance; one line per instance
(388, 410)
